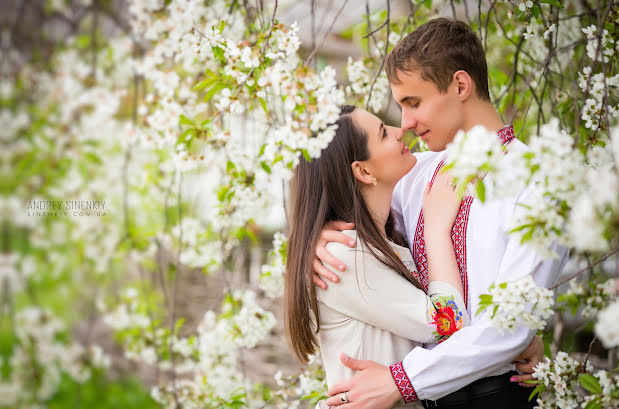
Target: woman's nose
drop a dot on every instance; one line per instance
(399, 134)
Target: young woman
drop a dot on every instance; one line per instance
(379, 310)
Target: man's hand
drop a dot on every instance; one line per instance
(331, 231)
(371, 388)
(527, 360)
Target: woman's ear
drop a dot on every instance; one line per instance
(362, 174)
(464, 84)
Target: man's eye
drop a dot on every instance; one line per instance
(384, 132)
(415, 105)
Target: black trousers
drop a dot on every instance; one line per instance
(495, 392)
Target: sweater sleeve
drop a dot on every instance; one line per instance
(371, 292)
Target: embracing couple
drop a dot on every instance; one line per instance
(411, 257)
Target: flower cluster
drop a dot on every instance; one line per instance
(563, 383)
(471, 155)
(606, 328)
(40, 358)
(272, 274)
(602, 49)
(249, 323)
(556, 172)
(596, 87)
(556, 185)
(311, 384)
(361, 83)
(505, 300)
(197, 247)
(591, 295)
(596, 203)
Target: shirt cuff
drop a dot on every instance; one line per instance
(403, 383)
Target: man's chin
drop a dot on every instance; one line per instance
(435, 147)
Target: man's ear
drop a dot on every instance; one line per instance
(362, 174)
(463, 83)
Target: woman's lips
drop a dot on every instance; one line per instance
(404, 149)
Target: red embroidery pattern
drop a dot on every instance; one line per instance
(419, 245)
(506, 134)
(404, 384)
(447, 317)
(458, 237)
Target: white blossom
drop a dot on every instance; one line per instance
(519, 302)
(607, 327)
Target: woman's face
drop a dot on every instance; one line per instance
(389, 158)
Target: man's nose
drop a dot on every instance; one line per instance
(409, 122)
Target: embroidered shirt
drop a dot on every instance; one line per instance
(485, 254)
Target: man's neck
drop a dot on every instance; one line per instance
(484, 114)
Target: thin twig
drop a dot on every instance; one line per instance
(382, 63)
(315, 50)
(584, 364)
(589, 267)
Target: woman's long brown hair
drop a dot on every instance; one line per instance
(323, 190)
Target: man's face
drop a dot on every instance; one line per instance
(432, 115)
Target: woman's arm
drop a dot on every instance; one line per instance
(440, 208)
(371, 292)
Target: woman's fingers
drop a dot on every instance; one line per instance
(522, 380)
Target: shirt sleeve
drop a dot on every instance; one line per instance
(372, 293)
(477, 350)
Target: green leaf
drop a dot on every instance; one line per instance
(222, 25)
(178, 325)
(218, 53)
(306, 155)
(590, 383)
(263, 104)
(428, 4)
(205, 84)
(183, 120)
(211, 92)
(481, 190)
(496, 308)
(93, 158)
(537, 391)
(527, 236)
(521, 227)
(266, 167)
(593, 404)
(555, 3)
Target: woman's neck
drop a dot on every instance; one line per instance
(378, 201)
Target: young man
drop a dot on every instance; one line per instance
(438, 76)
